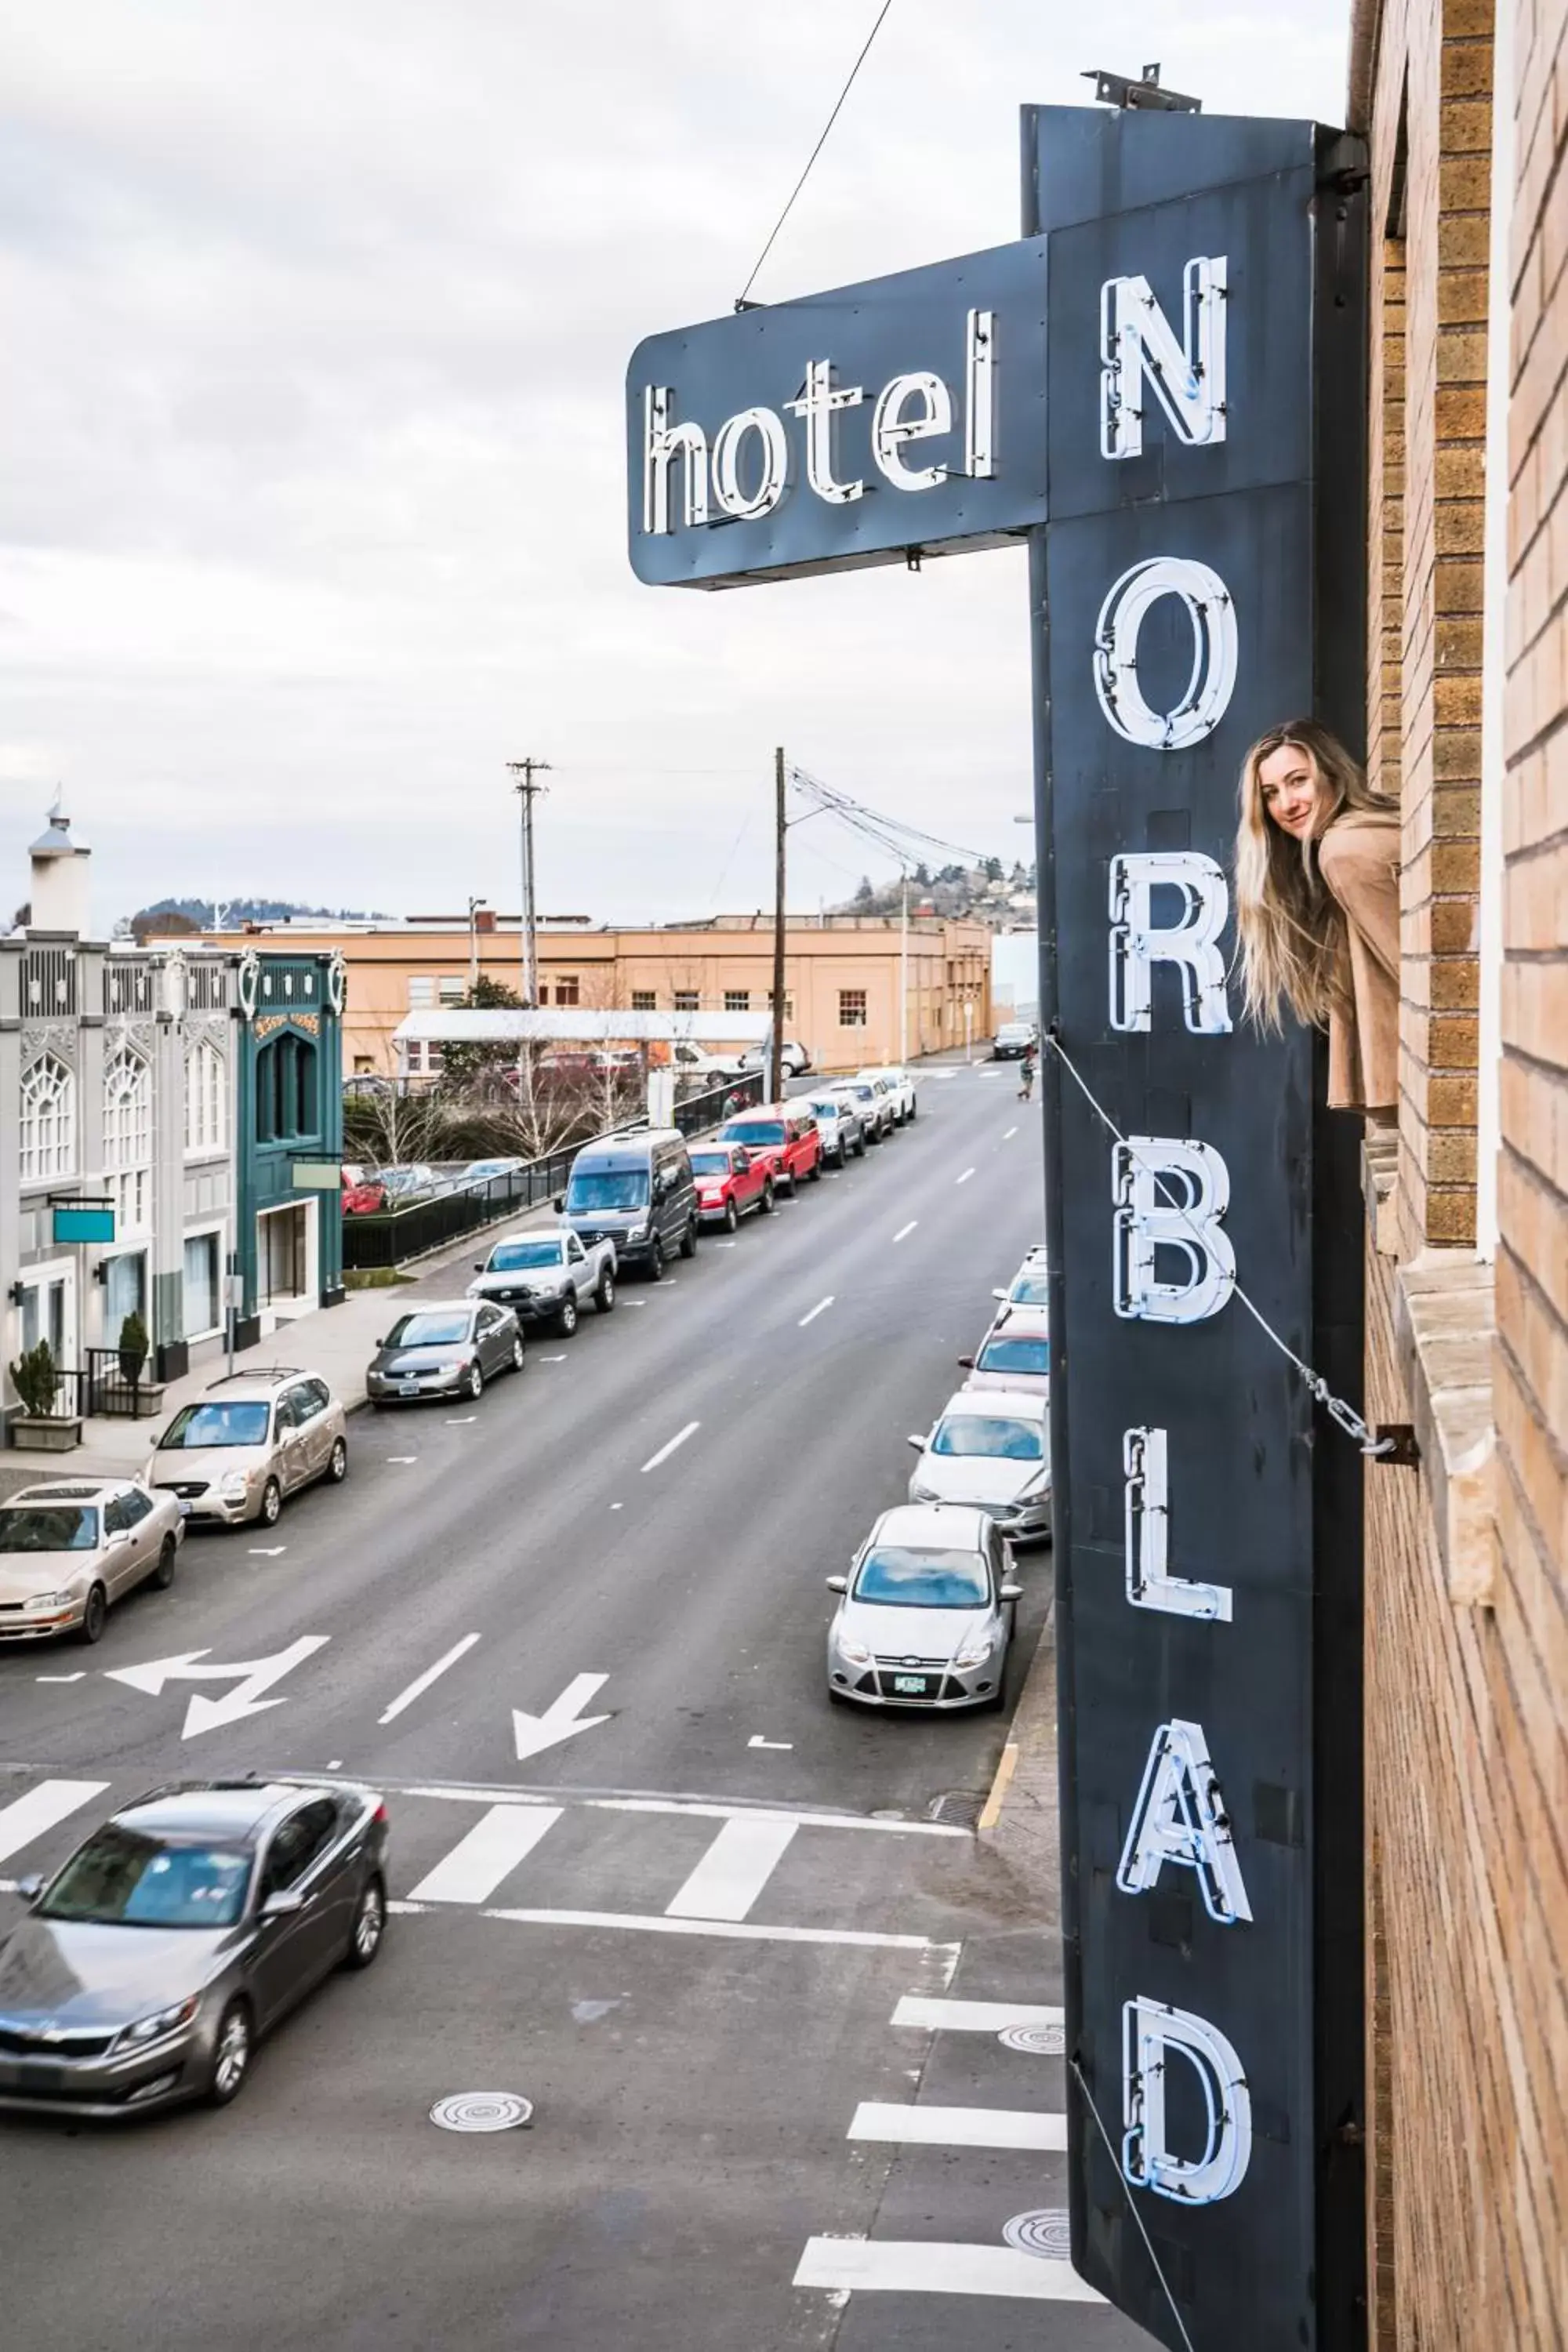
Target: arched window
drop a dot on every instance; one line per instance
(48, 1120)
(206, 1099)
(128, 1137)
(285, 1088)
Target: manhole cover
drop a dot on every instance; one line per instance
(1034, 2041)
(481, 2111)
(961, 1807)
(1044, 2232)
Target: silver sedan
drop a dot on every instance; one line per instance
(445, 1351)
(926, 1616)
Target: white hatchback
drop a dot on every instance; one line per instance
(899, 1085)
(990, 1448)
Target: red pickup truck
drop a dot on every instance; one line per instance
(730, 1181)
(786, 1138)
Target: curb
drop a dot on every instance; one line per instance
(1019, 1819)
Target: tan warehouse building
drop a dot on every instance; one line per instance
(842, 977)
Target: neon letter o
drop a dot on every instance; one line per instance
(1209, 688)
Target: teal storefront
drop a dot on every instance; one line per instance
(290, 1135)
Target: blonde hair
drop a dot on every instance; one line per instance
(1289, 926)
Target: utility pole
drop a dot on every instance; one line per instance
(527, 790)
(904, 969)
(776, 1072)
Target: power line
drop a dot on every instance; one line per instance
(904, 843)
(741, 298)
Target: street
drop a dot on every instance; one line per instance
(727, 1938)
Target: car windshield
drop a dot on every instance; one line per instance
(428, 1330)
(1030, 1290)
(755, 1131)
(829, 1110)
(124, 1877)
(711, 1163)
(215, 1424)
(1016, 1356)
(995, 1435)
(922, 1580)
(509, 1257)
(53, 1528)
(608, 1188)
(862, 1094)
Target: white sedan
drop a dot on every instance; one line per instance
(991, 1449)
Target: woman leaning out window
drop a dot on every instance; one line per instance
(1317, 885)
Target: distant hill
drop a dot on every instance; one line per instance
(203, 914)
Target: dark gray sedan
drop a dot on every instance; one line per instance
(148, 1967)
(445, 1350)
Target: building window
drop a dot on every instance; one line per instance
(737, 1000)
(453, 989)
(206, 1099)
(285, 1089)
(124, 1291)
(686, 999)
(421, 993)
(202, 1310)
(645, 999)
(128, 1139)
(48, 1122)
(566, 990)
(851, 1008)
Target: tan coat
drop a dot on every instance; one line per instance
(1358, 858)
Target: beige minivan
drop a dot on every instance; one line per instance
(252, 1440)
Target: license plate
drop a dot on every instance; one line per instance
(911, 1685)
(29, 2078)
(185, 1508)
(407, 1387)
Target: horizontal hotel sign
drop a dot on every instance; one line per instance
(903, 417)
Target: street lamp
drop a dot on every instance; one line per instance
(474, 905)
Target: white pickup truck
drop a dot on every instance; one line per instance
(548, 1277)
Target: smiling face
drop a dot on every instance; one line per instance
(1290, 790)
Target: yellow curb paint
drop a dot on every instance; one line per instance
(999, 1786)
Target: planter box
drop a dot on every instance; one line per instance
(119, 1400)
(45, 1432)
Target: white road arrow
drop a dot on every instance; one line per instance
(561, 1718)
(251, 1676)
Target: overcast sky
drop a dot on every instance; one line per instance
(312, 479)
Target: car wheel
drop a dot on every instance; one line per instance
(765, 1205)
(566, 1321)
(814, 1170)
(519, 1353)
(231, 2055)
(337, 1462)
(271, 1503)
(369, 1926)
(95, 1610)
(656, 1258)
(604, 1297)
(913, 1108)
(688, 1240)
(731, 1216)
(164, 1574)
(473, 1387)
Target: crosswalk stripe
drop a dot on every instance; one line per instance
(734, 1870)
(959, 2127)
(498, 1841)
(928, 2267)
(52, 1802)
(973, 2016)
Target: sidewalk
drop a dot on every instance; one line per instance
(1019, 1823)
(336, 1341)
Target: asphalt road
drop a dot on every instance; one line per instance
(683, 1931)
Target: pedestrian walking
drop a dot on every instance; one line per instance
(1025, 1092)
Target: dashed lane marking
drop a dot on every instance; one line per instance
(905, 1230)
(821, 1307)
(666, 1451)
(965, 1177)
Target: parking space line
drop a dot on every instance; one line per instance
(927, 2266)
(734, 1870)
(911, 2126)
(666, 1451)
(43, 1807)
(973, 2016)
(820, 1308)
(423, 1682)
(498, 1842)
(904, 1230)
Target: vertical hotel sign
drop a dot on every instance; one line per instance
(1156, 431)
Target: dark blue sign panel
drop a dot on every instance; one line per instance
(1176, 594)
(903, 417)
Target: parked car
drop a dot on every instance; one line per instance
(783, 1137)
(1016, 1353)
(993, 1451)
(417, 1181)
(253, 1439)
(839, 1124)
(689, 1061)
(186, 1927)
(926, 1616)
(794, 1059)
(636, 1190)
(485, 1171)
(362, 1194)
(548, 1277)
(899, 1085)
(729, 1182)
(1030, 1286)
(66, 1552)
(447, 1350)
(871, 1103)
(1012, 1040)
